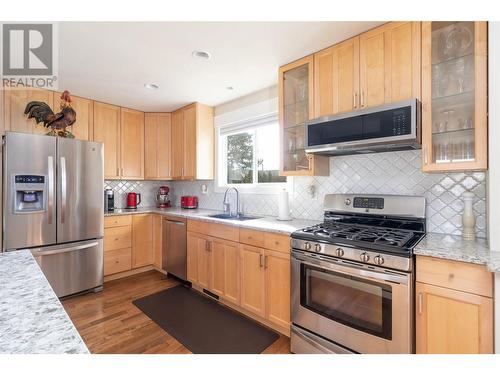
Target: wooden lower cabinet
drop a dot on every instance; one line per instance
(225, 275)
(213, 264)
(116, 261)
(277, 287)
(453, 322)
(253, 279)
(454, 307)
(157, 242)
(142, 240)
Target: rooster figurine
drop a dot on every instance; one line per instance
(58, 122)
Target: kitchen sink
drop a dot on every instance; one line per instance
(239, 217)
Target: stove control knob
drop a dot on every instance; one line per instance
(339, 252)
(347, 202)
(364, 257)
(317, 247)
(378, 260)
(307, 246)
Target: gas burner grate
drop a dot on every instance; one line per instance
(368, 234)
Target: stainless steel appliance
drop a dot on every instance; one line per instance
(394, 126)
(53, 206)
(174, 246)
(109, 200)
(352, 276)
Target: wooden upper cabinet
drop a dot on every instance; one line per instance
(190, 139)
(157, 146)
(142, 240)
(107, 131)
(177, 144)
(14, 105)
(83, 128)
(193, 151)
(390, 63)
(336, 78)
(296, 106)
(454, 96)
(132, 144)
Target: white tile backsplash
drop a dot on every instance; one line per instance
(383, 173)
(147, 189)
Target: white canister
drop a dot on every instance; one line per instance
(283, 206)
(468, 217)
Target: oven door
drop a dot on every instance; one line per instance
(365, 310)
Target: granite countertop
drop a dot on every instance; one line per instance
(453, 247)
(32, 320)
(269, 224)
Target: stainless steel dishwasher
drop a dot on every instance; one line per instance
(174, 251)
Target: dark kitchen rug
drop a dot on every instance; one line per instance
(204, 326)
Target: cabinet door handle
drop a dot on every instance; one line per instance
(420, 300)
(117, 172)
(206, 245)
(265, 261)
(362, 99)
(261, 263)
(354, 100)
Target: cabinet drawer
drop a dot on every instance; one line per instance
(117, 238)
(268, 240)
(252, 237)
(118, 260)
(466, 277)
(117, 221)
(278, 242)
(227, 232)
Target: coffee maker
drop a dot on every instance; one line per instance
(109, 200)
(162, 200)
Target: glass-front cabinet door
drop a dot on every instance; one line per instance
(454, 95)
(296, 106)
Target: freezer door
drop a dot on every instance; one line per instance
(72, 268)
(29, 214)
(80, 187)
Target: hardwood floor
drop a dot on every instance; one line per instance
(109, 323)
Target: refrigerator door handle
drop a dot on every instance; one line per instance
(63, 189)
(50, 198)
(40, 252)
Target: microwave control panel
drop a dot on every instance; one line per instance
(400, 120)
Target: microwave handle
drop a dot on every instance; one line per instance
(353, 271)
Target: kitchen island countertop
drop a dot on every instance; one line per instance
(32, 320)
(269, 224)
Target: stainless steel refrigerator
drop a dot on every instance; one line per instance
(53, 205)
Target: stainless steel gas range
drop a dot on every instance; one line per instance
(353, 276)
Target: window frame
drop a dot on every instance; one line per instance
(221, 163)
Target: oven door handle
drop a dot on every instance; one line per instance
(353, 271)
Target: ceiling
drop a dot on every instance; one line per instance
(111, 61)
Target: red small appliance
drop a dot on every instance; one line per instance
(133, 199)
(189, 201)
(162, 200)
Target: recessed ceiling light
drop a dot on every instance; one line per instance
(151, 86)
(229, 88)
(202, 55)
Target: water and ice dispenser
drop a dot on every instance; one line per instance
(29, 193)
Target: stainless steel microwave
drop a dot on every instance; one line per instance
(389, 127)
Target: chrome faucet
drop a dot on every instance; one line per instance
(225, 204)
